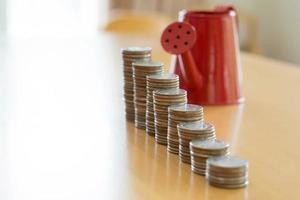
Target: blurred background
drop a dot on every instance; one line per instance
(267, 27)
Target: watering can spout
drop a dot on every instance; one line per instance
(177, 39)
(190, 73)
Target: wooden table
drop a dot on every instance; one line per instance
(63, 134)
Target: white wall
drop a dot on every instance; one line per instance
(55, 17)
(278, 21)
(278, 26)
(2, 15)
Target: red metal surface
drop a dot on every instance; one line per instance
(210, 70)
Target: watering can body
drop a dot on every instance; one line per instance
(210, 69)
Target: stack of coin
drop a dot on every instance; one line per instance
(130, 55)
(227, 171)
(201, 150)
(155, 82)
(178, 114)
(162, 99)
(191, 130)
(140, 70)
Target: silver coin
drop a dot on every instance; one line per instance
(228, 186)
(136, 50)
(186, 107)
(185, 159)
(229, 180)
(169, 92)
(150, 63)
(163, 77)
(198, 125)
(206, 155)
(199, 171)
(227, 162)
(209, 144)
(227, 174)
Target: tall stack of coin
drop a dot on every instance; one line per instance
(162, 99)
(227, 171)
(201, 150)
(130, 55)
(192, 130)
(178, 114)
(140, 70)
(155, 82)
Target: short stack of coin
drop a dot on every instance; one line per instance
(178, 114)
(130, 55)
(201, 150)
(192, 130)
(227, 171)
(162, 99)
(156, 82)
(140, 70)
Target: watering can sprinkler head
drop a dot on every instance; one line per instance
(177, 39)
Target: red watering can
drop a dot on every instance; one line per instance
(206, 56)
